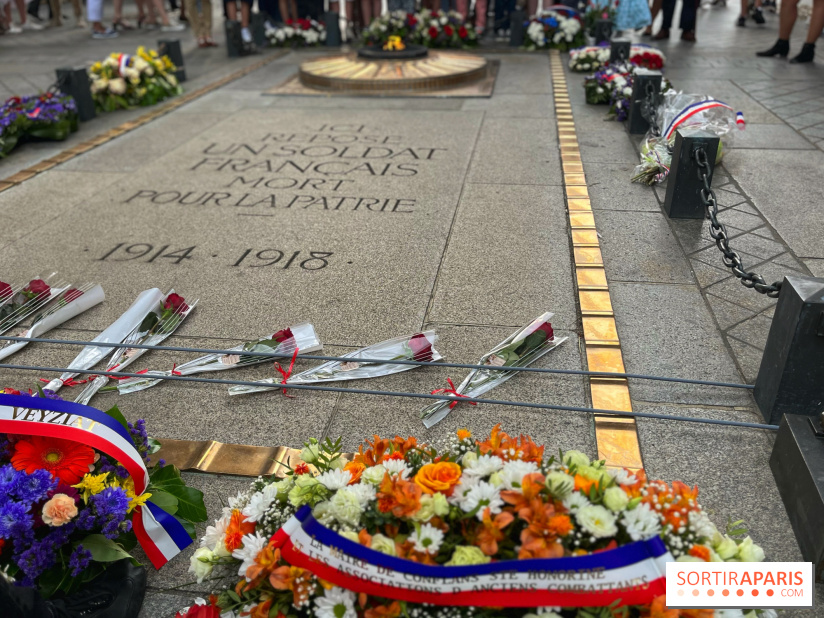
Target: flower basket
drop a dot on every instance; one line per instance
(45, 116)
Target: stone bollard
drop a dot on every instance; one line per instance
(517, 30)
(171, 48)
(234, 41)
(684, 184)
(75, 83)
(791, 377)
(602, 31)
(636, 123)
(258, 26)
(332, 29)
(619, 50)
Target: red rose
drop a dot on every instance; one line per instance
(547, 328)
(411, 19)
(421, 348)
(463, 32)
(289, 22)
(10, 391)
(433, 32)
(5, 290)
(72, 294)
(37, 287)
(448, 30)
(200, 611)
(283, 335)
(176, 303)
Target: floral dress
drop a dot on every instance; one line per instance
(632, 14)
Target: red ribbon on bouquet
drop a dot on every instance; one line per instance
(451, 391)
(287, 373)
(71, 381)
(124, 377)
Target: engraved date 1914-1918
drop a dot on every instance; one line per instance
(252, 258)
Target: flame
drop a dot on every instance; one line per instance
(394, 44)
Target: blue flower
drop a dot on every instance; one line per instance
(33, 487)
(8, 478)
(79, 560)
(15, 520)
(112, 502)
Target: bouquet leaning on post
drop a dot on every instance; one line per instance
(285, 342)
(520, 349)
(418, 347)
(468, 528)
(122, 81)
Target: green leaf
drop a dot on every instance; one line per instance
(103, 549)
(164, 500)
(154, 446)
(188, 526)
(189, 503)
(117, 415)
(165, 477)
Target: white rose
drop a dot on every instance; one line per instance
(117, 85)
(201, 563)
(616, 499)
(596, 521)
(351, 535)
(724, 546)
(469, 459)
(346, 508)
(220, 550)
(373, 475)
(384, 545)
(427, 510)
(749, 551)
(559, 484)
(441, 505)
(310, 453)
(576, 458)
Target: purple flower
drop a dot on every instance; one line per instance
(112, 502)
(79, 560)
(8, 478)
(15, 519)
(34, 487)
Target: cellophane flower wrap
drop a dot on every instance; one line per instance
(417, 347)
(46, 116)
(66, 508)
(463, 502)
(283, 342)
(17, 302)
(297, 33)
(122, 81)
(436, 29)
(687, 113)
(554, 29)
(520, 349)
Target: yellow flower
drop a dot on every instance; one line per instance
(92, 484)
(134, 500)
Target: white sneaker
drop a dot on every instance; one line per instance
(246, 35)
(81, 23)
(14, 29)
(173, 27)
(30, 25)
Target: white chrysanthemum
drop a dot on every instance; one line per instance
(346, 507)
(701, 524)
(622, 476)
(238, 501)
(260, 502)
(427, 538)
(641, 522)
(336, 603)
(483, 465)
(397, 467)
(364, 491)
(575, 500)
(252, 544)
(462, 488)
(215, 534)
(514, 471)
(335, 479)
(481, 496)
(373, 475)
(597, 521)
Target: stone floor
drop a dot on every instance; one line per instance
(473, 242)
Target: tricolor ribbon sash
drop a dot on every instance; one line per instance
(739, 120)
(691, 110)
(633, 574)
(160, 535)
(122, 62)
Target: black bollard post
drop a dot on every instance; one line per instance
(797, 463)
(332, 21)
(791, 377)
(171, 48)
(619, 51)
(636, 123)
(258, 27)
(517, 30)
(75, 83)
(684, 184)
(602, 31)
(234, 41)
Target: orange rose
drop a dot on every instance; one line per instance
(355, 468)
(438, 477)
(60, 510)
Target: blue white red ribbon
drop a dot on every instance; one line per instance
(691, 110)
(122, 62)
(739, 120)
(633, 574)
(160, 535)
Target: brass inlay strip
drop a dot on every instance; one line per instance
(617, 436)
(162, 109)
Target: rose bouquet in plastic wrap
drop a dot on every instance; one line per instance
(687, 113)
(485, 527)
(297, 33)
(67, 507)
(593, 57)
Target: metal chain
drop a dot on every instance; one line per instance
(718, 231)
(648, 108)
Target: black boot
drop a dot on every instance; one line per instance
(806, 55)
(781, 48)
(758, 16)
(117, 593)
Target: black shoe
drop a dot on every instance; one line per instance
(807, 54)
(117, 593)
(758, 16)
(781, 48)
(742, 22)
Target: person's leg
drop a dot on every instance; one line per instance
(481, 9)
(689, 11)
(56, 13)
(668, 8)
(786, 20)
(245, 14)
(654, 10)
(813, 32)
(195, 21)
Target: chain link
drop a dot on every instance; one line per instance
(718, 231)
(649, 108)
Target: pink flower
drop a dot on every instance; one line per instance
(60, 510)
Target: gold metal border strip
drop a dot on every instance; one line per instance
(170, 105)
(616, 436)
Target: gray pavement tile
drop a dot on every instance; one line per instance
(606, 146)
(640, 246)
(753, 331)
(789, 261)
(610, 188)
(513, 106)
(706, 274)
(728, 313)
(748, 358)
(667, 330)
(816, 267)
(806, 120)
(523, 74)
(770, 137)
(693, 234)
(164, 604)
(734, 291)
(726, 91)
